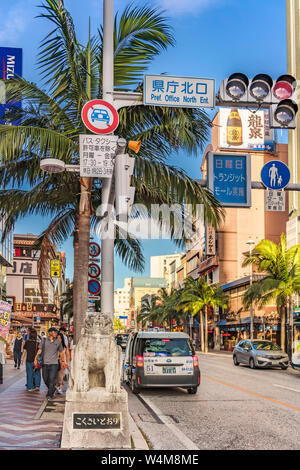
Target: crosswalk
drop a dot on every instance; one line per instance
(20, 423)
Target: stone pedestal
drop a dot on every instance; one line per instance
(96, 419)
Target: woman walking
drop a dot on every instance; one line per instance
(33, 375)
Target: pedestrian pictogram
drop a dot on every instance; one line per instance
(94, 249)
(94, 287)
(100, 117)
(275, 175)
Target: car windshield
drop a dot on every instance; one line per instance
(265, 346)
(166, 347)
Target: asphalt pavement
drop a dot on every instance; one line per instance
(235, 408)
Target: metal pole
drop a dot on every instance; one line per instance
(251, 307)
(107, 244)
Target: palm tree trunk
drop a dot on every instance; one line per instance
(206, 330)
(82, 262)
(201, 331)
(282, 328)
(290, 328)
(75, 278)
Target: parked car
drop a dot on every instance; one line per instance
(156, 359)
(260, 353)
(122, 340)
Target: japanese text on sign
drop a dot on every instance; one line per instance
(229, 179)
(97, 155)
(169, 90)
(274, 200)
(5, 318)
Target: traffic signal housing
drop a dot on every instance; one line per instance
(124, 192)
(279, 96)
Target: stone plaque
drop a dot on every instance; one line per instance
(97, 421)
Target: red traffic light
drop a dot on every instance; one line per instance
(284, 87)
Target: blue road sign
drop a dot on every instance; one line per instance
(123, 317)
(229, 178)
(275, 175)
(94, 287)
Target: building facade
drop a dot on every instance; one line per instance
(122, 303)
(160, 267)
(23, 288)
(140, 287)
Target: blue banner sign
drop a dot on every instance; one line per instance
(10, 66)
(229, 178)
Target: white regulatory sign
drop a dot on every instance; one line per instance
(97, 155)
(274, 200)
(186, 92)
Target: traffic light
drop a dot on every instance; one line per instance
(124, 165)
(279, 96)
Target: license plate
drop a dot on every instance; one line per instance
(169, 370)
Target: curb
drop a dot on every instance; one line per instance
(136, 435)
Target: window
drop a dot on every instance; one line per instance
(32, 291)
(166, 347)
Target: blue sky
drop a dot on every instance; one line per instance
(214, 38)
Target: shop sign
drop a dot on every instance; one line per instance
(5, 318)
(210, 240)
(30, 307)
(24, 268)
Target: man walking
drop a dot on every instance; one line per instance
(51, 348)
(18, 343)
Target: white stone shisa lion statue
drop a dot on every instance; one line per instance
(96, 360)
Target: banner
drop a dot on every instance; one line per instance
(244, 129)
(5, 318)
(10, 66)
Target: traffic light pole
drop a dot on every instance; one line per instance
(107, 243)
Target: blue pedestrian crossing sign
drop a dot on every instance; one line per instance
(275, 175)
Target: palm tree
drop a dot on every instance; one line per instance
(50, 124)
(66, 302)
(199, 296)
(148, 310)
(281, 266)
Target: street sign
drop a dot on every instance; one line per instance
(94, 287)
(229, 178)
(275, 175)
(55, 268)
(100, 117)
(274, 200)
(94, 270)
(94, 249)
(94, 297)
(185, 92)
(97, 154)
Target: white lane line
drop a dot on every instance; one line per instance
(190, 445)
(287, 388)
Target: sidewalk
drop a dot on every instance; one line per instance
(21, 423)
(29, 421)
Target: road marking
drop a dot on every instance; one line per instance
(190, 445)
(287, 388)
(258, 395)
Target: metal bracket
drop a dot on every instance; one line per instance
(126, 98)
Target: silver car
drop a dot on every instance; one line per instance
(260, 353)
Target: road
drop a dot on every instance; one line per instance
(235, 408)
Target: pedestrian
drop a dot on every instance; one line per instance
(43, 335)
(33, 374)
(50, 349)
(62, 367)
(70, 346)
(17, 350)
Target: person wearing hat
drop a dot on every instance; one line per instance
(51, 349)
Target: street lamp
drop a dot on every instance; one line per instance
(54, 165)
(251, 243)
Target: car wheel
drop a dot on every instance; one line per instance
(252, 364)
(133, 388)
(284, 367)
(192, 390)
(235, 361)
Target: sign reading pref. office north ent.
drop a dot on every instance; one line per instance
(229, 178)
(185, 92)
